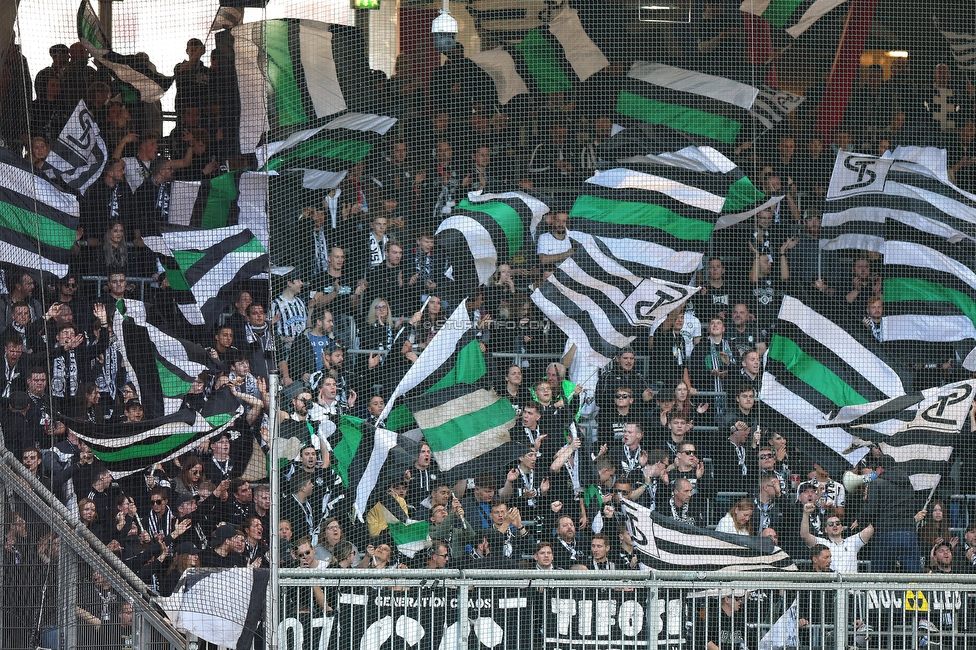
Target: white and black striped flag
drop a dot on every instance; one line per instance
(910, 185)
(962, 46)
(919, 429)
(485, 230)
(815, 367)
(665, 543)
(602, 302)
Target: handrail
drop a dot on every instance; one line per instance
(69, 529)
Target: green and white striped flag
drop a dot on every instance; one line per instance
(485, 230)
(160, 365)
(211, 262)
(792, 16)
(814, 367)
(410, 536)
(551, 58)
(325, 154)
(444, 396)
(131, 447)
(286, 72)
(37, 220)
(710, 110)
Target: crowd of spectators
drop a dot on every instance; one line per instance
(370, 289)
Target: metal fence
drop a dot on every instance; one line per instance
(61, 587)
(565, 610)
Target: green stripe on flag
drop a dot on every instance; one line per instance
(88, 29)
(404, 534)
(172, 384)
(543, 63)
(470, 425)
(281, 72)
(348, 150)
(505, 216)
(253, 245)
(220, 419)
(36, 226)
(186, 259)
(648, 215)
(177, 281)
(149, 451)
(741, 195)
(687, 120)
(469, 367)
(352, 434)
(902, 289)
(223, 192)
(813, 373)
(779, 11)
(400, 419)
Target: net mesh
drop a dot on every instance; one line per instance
(555, 255)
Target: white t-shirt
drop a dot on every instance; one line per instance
(549, 245)
(843, 556)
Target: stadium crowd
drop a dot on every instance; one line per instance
(369, 290)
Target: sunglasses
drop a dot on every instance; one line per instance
(833, 523)
(765, 456)
(622, 395)
(71, 285)
(689, 453)
(156, 502)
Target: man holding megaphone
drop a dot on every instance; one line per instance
(891, 508)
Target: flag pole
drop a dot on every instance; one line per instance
(274, 513)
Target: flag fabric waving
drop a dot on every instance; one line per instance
(792, 16)
(38, 221)
(286, 72)
(962, 46)
(225, 607)
(444, 394)
(665, 543)
(325, 154)
(485, 230)
(129, 447)
(814, 367)
(711, 110)
(903, 206)
(211, 261)
(207, 204)
(160, 365)
(918, 429)
(134, 70)
(909, 185)
(550, 58)
(601, 301)
(79, 153)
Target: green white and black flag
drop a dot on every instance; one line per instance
(710, 110)
(550, 58)
(485, 230)
(324, 154)
(129, 447)
(286, 73)
(962, 46)
(814, 367)
(38, 221)
(160, 365)
(792, 16)
(134, 70)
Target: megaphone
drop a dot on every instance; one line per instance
(852, 481)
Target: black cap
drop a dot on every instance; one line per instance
(183, 497)
(222, 534)
(188, 548)
(293, 390)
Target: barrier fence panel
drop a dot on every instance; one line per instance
(357, 611)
